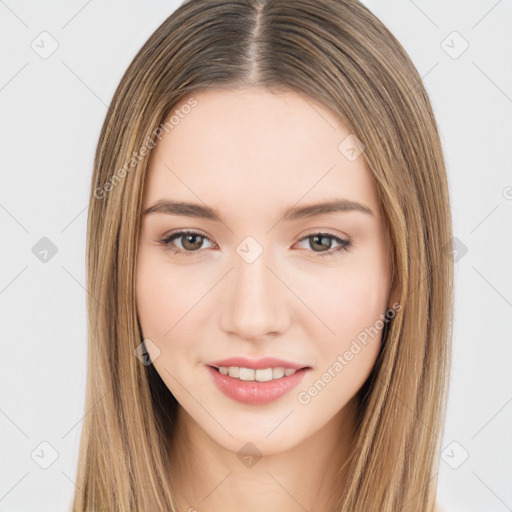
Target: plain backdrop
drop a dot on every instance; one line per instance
(52, 109)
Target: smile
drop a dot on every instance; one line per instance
(260, 375)
(247, 389)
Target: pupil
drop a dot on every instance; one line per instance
(323, 239)
(188, 238)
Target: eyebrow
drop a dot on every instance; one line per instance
(291, 214)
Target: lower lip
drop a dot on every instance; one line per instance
(254, 392)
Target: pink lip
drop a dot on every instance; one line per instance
(254, 392)
(257, 364)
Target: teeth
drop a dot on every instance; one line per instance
(233, 371)
(278, 373)
(263, 375)
(249, 374)
(246, 374)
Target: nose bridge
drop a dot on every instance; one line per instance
(256, 304)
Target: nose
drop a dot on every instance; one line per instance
(256, 300)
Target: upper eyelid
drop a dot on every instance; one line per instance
(187, 232)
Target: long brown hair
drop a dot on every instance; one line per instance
(338, 53)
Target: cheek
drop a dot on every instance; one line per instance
(170, 303)
(348, 298)
(153, 299)
(352, 308)
(162, 296)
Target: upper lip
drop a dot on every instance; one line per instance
(257, 364)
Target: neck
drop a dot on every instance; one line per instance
(308, 476)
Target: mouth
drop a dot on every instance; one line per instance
(246, 368)
(257, 375)
(252, 386)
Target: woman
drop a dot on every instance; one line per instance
(269, 273)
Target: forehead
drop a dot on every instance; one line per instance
(255, 147)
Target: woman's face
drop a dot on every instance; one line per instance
(265, 275)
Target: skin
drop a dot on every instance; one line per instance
(249, 154)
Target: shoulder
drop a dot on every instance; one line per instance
(439, 508)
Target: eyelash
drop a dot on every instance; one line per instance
(167, 241)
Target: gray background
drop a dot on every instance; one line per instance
(52, 111)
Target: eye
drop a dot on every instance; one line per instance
(323, 241)
(191, 242)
